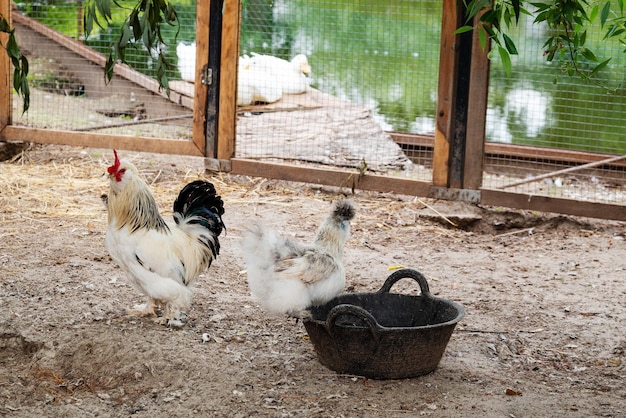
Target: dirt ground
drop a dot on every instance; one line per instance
(545, 297)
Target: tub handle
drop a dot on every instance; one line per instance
(356, 311)
(407, 273)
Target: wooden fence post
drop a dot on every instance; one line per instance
(476, 113)
(210, 77)
(5, 70)
(228, 80)
(220, 78)
(463, 79)
(446, 96)
(200, 89)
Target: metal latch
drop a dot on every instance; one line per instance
(207, 75)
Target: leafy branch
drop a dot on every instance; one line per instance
(567, 20)
(141, 27)
(615, 24)
(20, 64)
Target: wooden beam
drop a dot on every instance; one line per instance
(6, 86)
(448, 60)
(565, 171)
(228, 80)
(521, 152)
(198, 132)
(93, 140)
(331, 177)
(476, 113)
(551, 204)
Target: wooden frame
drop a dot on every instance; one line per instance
(460, 129)
(20, 133)
(331, 177)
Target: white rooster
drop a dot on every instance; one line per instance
(288, 277)
(162, 259)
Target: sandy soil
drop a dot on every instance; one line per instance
(544, 333)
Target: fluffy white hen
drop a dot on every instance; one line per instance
(287, 276)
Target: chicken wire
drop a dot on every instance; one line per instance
(374, 68)
(68, 92)
(538, 107)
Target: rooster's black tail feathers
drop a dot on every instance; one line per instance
(200, 202)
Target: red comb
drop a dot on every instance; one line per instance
(116, 164)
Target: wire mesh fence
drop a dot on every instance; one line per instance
(326, 82)
(372, 68)
(68, 89)
(540, 107)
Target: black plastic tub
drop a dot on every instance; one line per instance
(384, 335)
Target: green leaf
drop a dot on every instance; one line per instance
(482, 38)
(104, 8)
(541, 6)
(594, 13)
(582, 38)
(17, 79)
(474, 7)
(600, 66)
(604, 15)
(463, 29)
(542, 17)
(12, 48)
(125, 37)
(516, 9)
(25, 95)
(510, 45)
(490, 16)
(587, 53)
(108, 69)
(136, 24)
(24, 66)
(4, 25)
(491, 33)
(506, 60)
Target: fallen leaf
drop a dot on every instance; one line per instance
(513, 392)
(394, 267)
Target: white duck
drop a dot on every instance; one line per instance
(255, 84)
(186, 61)
(290, 74)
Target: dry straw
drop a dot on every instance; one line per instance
(63, 183)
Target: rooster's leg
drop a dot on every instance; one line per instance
(172, 317)
(145, 310)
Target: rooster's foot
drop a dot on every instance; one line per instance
(143, 310)
(174, 321)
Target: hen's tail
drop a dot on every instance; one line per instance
(199, 204)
